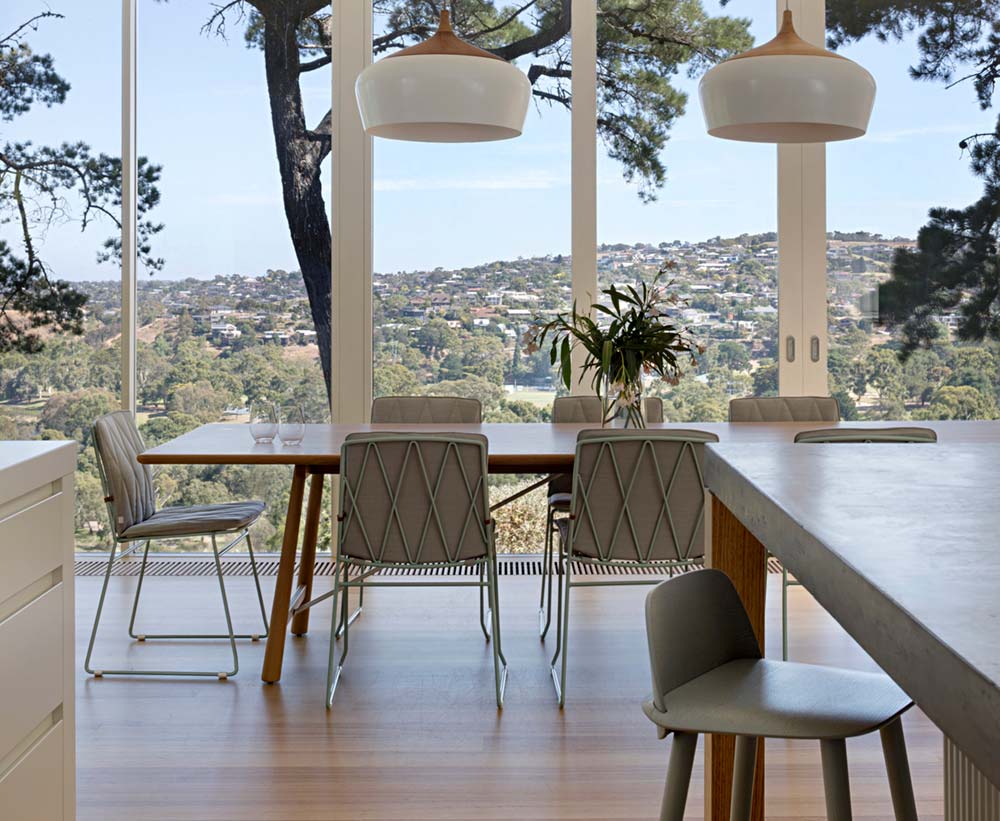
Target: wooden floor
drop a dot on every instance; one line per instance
(414, 732)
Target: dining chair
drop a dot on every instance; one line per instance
(784, 409)
(565, 410)
(416, 410)
(904, 435)
(913, 435)
(652, 410)
(709, 676)
(421, 501)
(638, 502)
(419, 410)
(131, 501)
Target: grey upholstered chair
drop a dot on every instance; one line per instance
(418, 501)
(784, 409)
(565, 410)
(638, 501)
(709, 677)
(912, 435)
(131, 500)
(652, 409)
(416, 410)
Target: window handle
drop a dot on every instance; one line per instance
(814, 349)
(790, 348)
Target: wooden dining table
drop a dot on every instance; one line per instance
(514, 448)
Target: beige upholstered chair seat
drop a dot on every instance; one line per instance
(189, 521)
(781, 699)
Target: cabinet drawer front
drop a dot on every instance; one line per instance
(31, 645)
(33, 789)
(31, 544)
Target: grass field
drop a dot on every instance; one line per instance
(542, 399)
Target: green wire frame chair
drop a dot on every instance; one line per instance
(130, 498)
(828, 436)
(414, 500)
(638, 501)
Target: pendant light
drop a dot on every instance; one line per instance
(443, 90)
(787, 91)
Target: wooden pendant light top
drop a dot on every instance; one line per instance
(787, 42)
(445, 41)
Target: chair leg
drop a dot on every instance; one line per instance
(563, 643)
(260, 593)
(333, 671)
(499, 662)
(743, 771)
(138, 591)
(836, 783)
(97, 615)
(897, 766)
(784, 614)
(545, 601)
(485, 621)
(225, 607)
(675, 792)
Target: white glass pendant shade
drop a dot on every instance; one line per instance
(787, 91)
(443, 90)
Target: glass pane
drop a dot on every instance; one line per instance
(228, 313)
(672, 199)
(59, 231)
(471, 246)
(881, 189)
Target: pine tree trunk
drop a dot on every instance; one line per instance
(300, 153)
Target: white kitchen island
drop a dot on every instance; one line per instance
(37, 737)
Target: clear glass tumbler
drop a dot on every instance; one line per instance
(292, 427)
(263, 421)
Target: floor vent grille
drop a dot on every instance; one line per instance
(268, 566)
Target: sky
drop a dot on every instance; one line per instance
(203, 114)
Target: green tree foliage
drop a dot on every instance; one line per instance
(954, 267)
(38, 185)
(73, 414)
(959, 402)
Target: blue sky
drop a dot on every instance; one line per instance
(203, 114)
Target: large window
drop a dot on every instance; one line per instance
(59, 232)
(673, 199)
(881, 189)
(224, 315)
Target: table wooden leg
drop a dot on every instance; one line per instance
(307, 562)
(736, 552)
(283, 586)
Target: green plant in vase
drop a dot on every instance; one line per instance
(631, 335)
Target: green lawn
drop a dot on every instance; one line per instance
(542, 399)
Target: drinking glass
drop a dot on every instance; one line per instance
(292, 427)
(263, 421)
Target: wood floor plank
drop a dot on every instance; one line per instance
(414, 732)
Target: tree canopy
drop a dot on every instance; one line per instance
(44, 185)
(954, 267)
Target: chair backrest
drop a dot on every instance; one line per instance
(639, 495)
(652, 409)
(586, 409)
(416, 410)
(695, 622)
(784, 409)
(128, 485)
(865, 435)
(414, 498)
